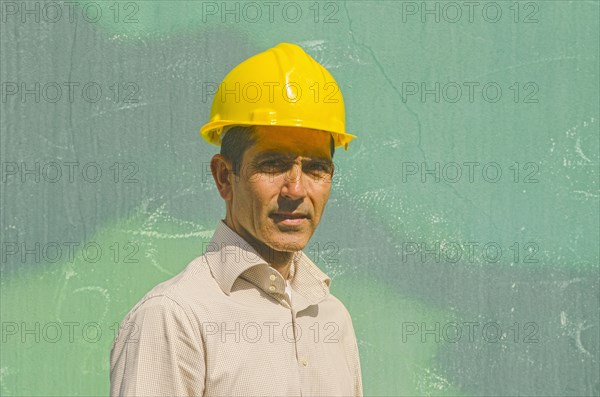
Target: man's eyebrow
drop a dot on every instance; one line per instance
(269, 155)
(273, 155)
(321, 160)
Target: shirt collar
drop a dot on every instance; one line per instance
(229, 256)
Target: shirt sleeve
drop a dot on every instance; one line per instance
(354, 359)
(358, 388)
(157, 352)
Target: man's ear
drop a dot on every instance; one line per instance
(222, 172)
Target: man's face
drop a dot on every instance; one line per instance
(284, 183)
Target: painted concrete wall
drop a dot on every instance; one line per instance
(462, 230)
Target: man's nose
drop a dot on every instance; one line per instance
(293, 185)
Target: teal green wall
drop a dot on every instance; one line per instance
(538, 301)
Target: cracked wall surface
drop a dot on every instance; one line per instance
(463, 225)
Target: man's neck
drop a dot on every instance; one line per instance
(278, 260)
(283, 263)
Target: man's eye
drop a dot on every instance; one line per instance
(271, 165)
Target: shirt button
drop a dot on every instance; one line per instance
(272, 288)
(272, 277)
(304, 362)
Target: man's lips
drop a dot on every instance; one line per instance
(289, 215)
(289, 218)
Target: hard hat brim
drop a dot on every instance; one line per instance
(212, 131)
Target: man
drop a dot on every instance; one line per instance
(254, 316)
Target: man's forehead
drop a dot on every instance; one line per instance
(287, 141)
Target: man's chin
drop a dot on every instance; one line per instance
(283, 242)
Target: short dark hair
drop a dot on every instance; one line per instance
(238, 139)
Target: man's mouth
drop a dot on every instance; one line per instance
(290, 218)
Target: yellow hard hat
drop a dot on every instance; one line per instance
(281, 86)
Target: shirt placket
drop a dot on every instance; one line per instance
(282, 297)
